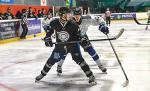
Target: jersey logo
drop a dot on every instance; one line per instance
(56, 55)
(63, 36)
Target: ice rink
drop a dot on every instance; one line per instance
(22, 61)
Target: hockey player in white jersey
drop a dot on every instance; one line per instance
(46, 21)
(84, 22)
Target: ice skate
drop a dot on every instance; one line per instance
(59, 70)
(102, 68)
(92, 81)
(38, 78)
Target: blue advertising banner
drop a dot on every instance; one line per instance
(7, 1)
(123, 16)
(34, 26)
(9, 29)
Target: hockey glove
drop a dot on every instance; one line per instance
(103, 28)
(46, 28)
(84, 41)
(48, 42)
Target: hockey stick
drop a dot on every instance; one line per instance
(139, 22)
(127, 80)
(113, 38)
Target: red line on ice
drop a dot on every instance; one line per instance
(6, 67)
(8, 87)
(11, 65)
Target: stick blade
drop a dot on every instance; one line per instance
(120, 33)
(125, 84)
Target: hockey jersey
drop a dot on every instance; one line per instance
(87, 20)
(64, 33)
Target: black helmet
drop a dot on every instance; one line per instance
(63, 10)
(77, 11)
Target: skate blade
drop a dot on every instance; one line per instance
(104, 72)
(58, 74)
(93, 83)
(36, 81)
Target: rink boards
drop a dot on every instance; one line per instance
(10, 30)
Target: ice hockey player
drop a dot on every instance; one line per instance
(87, 46)
(65, 31)
(108, 16)
(148, 13)
(46, 21)
(8, 15)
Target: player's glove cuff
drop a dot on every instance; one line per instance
(48, 42)
(103, 28)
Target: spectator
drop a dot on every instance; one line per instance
(8, 15)
(31, 14)
(1, 16)
(50, 12)
(18, 15)
(34, 11)
(43, 12)
(39, 15)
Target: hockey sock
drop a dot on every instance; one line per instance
(86, 69)
(94, 55)
(60, 63)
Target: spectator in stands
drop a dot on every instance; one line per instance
(24, 24)
(31, 14)
(108, 17)
(50, 12)
(34, 12)
(43, 12)
(1, 16)
(39, 15)
(8, 15)
(18, 15)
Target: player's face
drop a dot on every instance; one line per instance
(49, 16)
(9, 10)
(66, 16)
(69, 16)
(77, 17)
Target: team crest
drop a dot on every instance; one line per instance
(63, 36)
(56, 55)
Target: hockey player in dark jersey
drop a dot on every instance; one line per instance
(86, 45)
(65, 31)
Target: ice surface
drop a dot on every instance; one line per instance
(21, 62)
